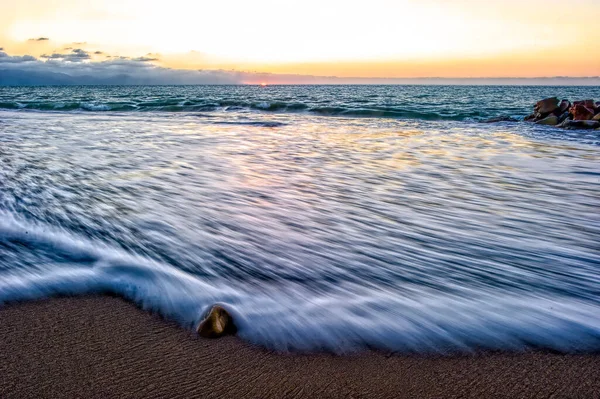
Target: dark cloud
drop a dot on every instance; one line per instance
(65, 68)
(8, 59)
(76, 55)
(39, 39)
(144, 59)
(54, 56)
(68, 48)
(1, 48)
(98, 52)
(59, 68)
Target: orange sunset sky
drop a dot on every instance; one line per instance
(375, 38)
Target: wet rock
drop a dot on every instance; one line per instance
(500, 119)
(563, 107)
(546, 106)
(597, 117)
(564, 123)
(551, 120)
(578, 124)
(217, 324)
(581, 113)
(529, 118)
(589, 104)
(563, 117)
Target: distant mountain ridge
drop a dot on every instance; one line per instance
(164, 76)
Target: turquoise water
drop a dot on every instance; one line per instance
(324, 217)
(461, 103)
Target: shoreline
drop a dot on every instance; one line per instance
(103, 346)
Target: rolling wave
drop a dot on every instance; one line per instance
(244, 106)
(451, 103)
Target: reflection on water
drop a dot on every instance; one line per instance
(318, 232)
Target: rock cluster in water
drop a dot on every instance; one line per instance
(217, 324)
(583, 114)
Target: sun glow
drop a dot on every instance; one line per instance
(395, 37)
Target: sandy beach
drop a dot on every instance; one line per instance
(101, 347)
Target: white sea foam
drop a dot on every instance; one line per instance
(95, 107)
(263, 105)
(294, 318)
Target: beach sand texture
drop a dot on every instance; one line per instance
(104, 347)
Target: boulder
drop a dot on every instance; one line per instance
(564, 123)
(217, 324)
(500, 119)
(546, 106)
(589, 104)
(597, 117)
(563, 107)
(581, 113)
(563, 117)
(551, 120)
(581, 125)
(529, 118)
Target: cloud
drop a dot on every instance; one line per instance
(39, 39)
(98, 52)
(59, 68)
(54, 56)
(1, 48)
(7, 59)
(67, 69)
(145, 59)
(76, 55)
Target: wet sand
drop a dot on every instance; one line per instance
(104, 347)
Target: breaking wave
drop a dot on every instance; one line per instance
(451, 103)
(296, 319)
(276, 107)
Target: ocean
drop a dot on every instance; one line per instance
(324, 218)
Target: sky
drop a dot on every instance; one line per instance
(362, 39)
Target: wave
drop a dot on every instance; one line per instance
(290, 317)
(253, 123)
(245, 106)
(381, 112)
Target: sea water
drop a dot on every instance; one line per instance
(323, 217)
